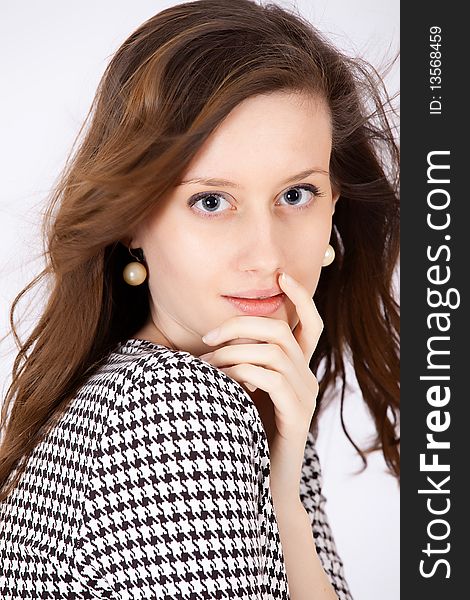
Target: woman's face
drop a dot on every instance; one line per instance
(247, 229)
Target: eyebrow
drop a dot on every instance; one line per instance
(226, 183)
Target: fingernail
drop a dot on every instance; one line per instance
(287, 279)
(211, 335)
(252, 388)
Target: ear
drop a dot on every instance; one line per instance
(126, 241)
(335, 198)
(130, 241)
(134, 237)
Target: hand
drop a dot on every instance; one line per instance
(279, 366)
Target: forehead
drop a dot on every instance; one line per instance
(268, 134)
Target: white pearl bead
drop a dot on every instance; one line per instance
(134, 273)
(329, 255)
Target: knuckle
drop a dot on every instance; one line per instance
(275, 352)
(317, 315)
(315, 384)
(245, 369)
(284, 328)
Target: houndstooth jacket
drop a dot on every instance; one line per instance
(154, 484)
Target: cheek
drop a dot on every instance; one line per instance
(307, 261)
(310, 244)
(181, 266)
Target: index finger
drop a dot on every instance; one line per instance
(309, 329)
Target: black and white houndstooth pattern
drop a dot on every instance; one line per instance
(155, 484)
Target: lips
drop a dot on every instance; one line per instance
(260, 297)
(256, 293)
(253, 306)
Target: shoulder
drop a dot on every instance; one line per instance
(174, 384)
(180, 449)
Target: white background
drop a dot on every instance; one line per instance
(53, 55)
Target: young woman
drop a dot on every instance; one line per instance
(229, 143)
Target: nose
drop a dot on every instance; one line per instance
(260, 242)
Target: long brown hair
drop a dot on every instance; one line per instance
(163, 93)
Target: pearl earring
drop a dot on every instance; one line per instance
(329, 256)
(134, 273)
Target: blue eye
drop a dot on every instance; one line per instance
(209, 200)
(294, 197)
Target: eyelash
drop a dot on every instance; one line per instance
(309, 187)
